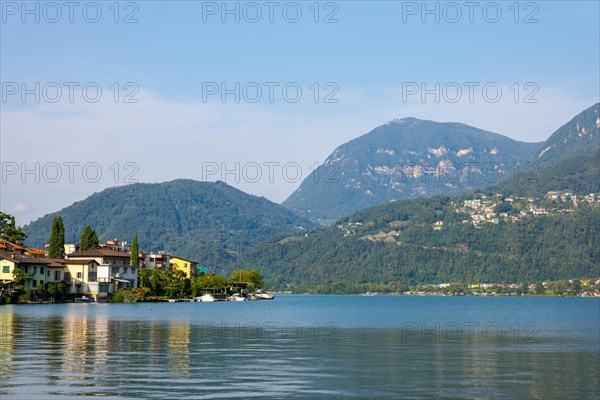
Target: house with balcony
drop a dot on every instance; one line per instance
(55, 272)
(113, 268)
(81, 277)
(35, 268)
(160, 260)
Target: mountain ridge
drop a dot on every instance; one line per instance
(198, 220)
(405, 158)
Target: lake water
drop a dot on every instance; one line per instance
(297, 346)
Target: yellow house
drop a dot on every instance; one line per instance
(6, 268)
(81, 276)
(181, 264)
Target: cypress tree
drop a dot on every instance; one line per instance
(60, 241)
(94, 242)
(134, 258)
(85, 238)
(56, 247)
(53, 242)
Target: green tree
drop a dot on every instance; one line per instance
(559, 287)
(176, 284)
(84, 238)
(9, 230)
(39, 291)
(61, 237)
(135, 252)
(209, 284)
(144, 277)
(56, 248)
(53, 291)
(157, 281)
(576, 287)
(252, 277)
(18, 278)
(94, 242)
(539, 288)
(88, 239)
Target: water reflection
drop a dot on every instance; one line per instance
(66, 355)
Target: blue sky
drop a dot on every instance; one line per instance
(367, 62)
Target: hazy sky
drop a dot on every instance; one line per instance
(258, 93)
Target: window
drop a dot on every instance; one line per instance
(34, 271)
(34, 283)
(42, 270)
(79, 275)
(92, 276)
(48, 272)
(67, 276)
(57, 275)
(6, 269)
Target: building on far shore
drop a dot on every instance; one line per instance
(112, 268)
(182, 264)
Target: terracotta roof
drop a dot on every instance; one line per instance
(56, 265)
(79, 261)
(21, 258)
(98, 253)
(14, 245)
(61, 262)
(33, 250)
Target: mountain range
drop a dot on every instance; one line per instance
(411, 158)
(402, 173)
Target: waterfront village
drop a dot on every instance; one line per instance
(107, 273)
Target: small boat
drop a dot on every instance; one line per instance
(260, 295)
(236, 297)
(207, 298)
(84, 299)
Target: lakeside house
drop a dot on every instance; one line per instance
(105, 266)
(35, 269)
(182, 264)
(94, 272)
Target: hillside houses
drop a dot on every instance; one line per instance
(493, 209)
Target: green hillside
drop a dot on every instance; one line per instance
(577, 174)
(200, 220)
(397, 243)
(578, 137)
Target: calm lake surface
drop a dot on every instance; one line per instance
(298, 346)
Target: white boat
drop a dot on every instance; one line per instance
(85, 299)
(207, 298)
(260, 295)
(236, 297)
